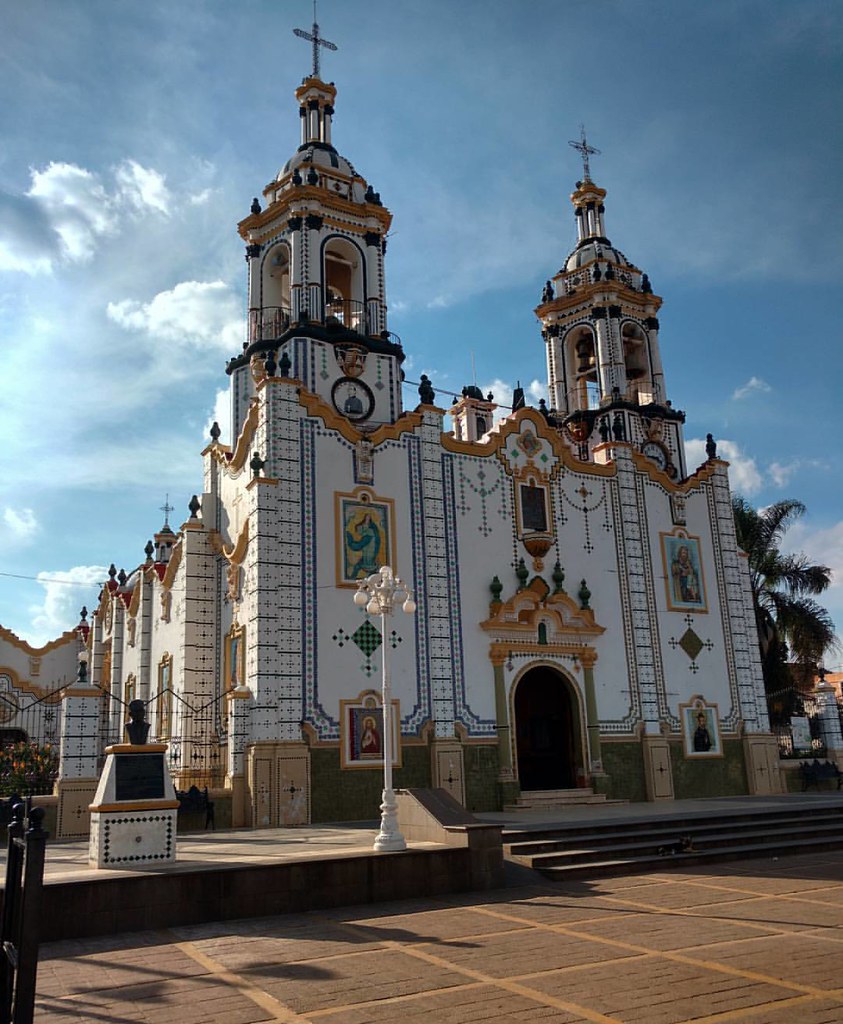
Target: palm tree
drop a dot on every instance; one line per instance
(782, 590)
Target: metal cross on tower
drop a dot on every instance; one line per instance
(167, 508)
(314, 37)
(585, 152)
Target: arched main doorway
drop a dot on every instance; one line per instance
(547, 730)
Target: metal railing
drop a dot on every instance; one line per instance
(266, 323)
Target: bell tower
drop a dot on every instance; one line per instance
(601, 333)
(315, 253)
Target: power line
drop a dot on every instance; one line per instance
(49, 579)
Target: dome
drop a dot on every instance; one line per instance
(595, 249)
(320, 155)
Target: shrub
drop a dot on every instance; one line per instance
(27, 768)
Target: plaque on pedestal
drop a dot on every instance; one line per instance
(133, 816)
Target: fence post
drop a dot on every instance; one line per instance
(21, 921)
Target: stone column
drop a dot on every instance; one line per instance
(507, 784)
(587, 658)
(78, 757)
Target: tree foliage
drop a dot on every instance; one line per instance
(791, 624)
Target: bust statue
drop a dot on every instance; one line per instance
(137, 727)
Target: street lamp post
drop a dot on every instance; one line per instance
(378, 594)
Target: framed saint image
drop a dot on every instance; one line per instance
(700, 729)
(365, 530)
(235, 658)
(683, 572)
(361, 732)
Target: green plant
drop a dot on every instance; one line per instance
(27, 768)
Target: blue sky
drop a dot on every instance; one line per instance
(135, 135)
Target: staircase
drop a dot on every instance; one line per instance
(548, 799)
(638, 845)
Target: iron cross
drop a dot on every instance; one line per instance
(314, 37)
(585, 152)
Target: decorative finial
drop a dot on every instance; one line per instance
(426, 392)
(194, 505)
(710, 447)
(256, 206)
(149, 550)
(215, 432)
(313, 37)
(585, 152)
(166, 508)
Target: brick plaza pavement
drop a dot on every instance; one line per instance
(759, 942)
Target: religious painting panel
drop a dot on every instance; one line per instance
(361, 732)
(235, 657)
(683, 572)
(700, 729)
(365, 532)
(164, 699)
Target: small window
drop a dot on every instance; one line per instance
(533, 508)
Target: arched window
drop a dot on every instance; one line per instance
(344, 284)
(636, 362)
(581, 365)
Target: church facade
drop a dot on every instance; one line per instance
(583, 618)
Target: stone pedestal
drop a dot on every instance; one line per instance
(133, 816)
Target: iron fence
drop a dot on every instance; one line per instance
(30, 732)
(193, 728)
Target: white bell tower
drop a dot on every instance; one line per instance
(601, 333)
(317, 294)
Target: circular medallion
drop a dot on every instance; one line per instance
(353, 399)
(656, 452)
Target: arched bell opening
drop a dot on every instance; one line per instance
(344, 279)
(637, 363)
(273, 317)
(581, 365)
(549, 746)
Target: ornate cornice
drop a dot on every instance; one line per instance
(222, 453)
(512, 425)
(12, 638)
(173, 564)
(315, 405)
(515, 623)
(24, 684)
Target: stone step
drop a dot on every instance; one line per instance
(534, 842)
(645, 864)
(560, 851)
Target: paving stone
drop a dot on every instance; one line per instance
(475, 1005)
(713, 952)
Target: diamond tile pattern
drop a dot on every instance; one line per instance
(691, 643)
(368, 638)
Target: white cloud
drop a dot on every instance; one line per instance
(755, 385)
(64, 594)
(68, 211)
(782, 472)
(222, 416)
(744, 476)
(77, 206)
(18, 526)
(192, 314)
(142, 187)
(201, 198)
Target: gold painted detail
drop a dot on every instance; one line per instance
(222, 453)
(568, 629)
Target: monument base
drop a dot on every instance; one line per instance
(133, 816)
